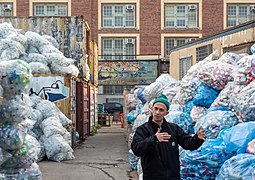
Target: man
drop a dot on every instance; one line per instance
(156, 142)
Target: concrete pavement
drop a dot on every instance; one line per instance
(100, 157)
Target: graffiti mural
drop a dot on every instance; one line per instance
(127, 72)
(49, 88)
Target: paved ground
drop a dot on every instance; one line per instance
(100, 157)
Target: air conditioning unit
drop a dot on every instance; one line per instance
(7, 7)
(130, 41)
(252, 7)
(130, 7)
(192, 7)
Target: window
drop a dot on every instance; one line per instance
(181, 16)
(238, 14)
(116, 90)
(118, 16)
(239, 49)
(50, 9)
(118, 48)
(172, 42)
(203, 51)
(184, 65)
(6, 10)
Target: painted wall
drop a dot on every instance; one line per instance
(127, 72)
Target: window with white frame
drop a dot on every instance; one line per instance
(50, 9)
(203, 51)
(172, 42)
(184, 65)
(115, 89)
(118, 16)
(6, 9)
(181, 15)
(118, 48)
(238, 14)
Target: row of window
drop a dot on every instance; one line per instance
(176, 15)
(124, 48)
(116, 90)
(123, 15)
(59, 9)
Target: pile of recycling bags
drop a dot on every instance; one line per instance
(31, 128)
(218, 94)
(39, 51)
(18, 150)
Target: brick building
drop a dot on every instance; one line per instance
(140, 29)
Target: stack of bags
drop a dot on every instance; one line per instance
(18, 150)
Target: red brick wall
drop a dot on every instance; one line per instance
(150, 27)
(22, 7)
(212, 17)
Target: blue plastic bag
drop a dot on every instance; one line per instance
(205, 162)
(205, 95)
(131, 116)
(140, 95)
(239, 136)
(183, 119)
(188, 106)
(241, 166)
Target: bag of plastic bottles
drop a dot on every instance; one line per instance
(216, 74)
(24, 157)
(205, 162)
(241, 166)
(205, 95)
(182, 119)
(132, 160)
(32, 172)
(216, 120)
(239, 136)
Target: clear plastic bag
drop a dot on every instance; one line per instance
(32, 172)
(12, 136)
(54, 145)
(6, 29)
(36, 57)
(16, 76)
(245, 103)
(47, 108)
(24, 157)
(4, 155)
(52, 126)
(39, 68)
(216, 120)
(216, 74)
(241, 166)
(133, 160)
(14, 110)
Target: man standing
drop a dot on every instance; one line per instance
(156, 142)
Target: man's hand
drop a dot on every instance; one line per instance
(201, 133)
(162, 137)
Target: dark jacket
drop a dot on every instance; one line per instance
(160, 160)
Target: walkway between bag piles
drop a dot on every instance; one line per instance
(100, 157)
